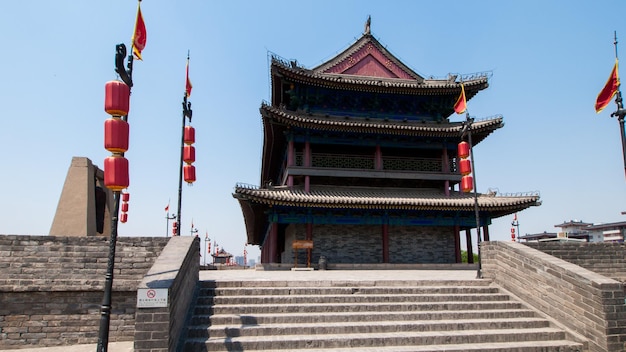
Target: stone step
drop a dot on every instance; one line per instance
(520, 346)
(362, 340)
(353, 298)
(364, 327)
(344, 283)
(354, 307)
(275, 291)
(330, 317)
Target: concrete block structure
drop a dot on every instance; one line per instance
(85, 203)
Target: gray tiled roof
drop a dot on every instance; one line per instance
(426, 86)
(363, 125)
(364, 197)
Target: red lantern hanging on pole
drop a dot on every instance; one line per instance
(116, 173)
(116, 98)
(190, 173)
(116, 133)
(467, 183)
(189, 154)
(465, 166)
(189, 135)
(463, 150)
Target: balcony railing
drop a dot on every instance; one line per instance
(366, 162)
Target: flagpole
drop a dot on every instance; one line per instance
(620, 113)
(186, 114)
(469, 122)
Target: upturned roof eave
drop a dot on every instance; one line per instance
(378, 84)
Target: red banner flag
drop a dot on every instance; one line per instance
(461, 104)
(140, 35)
(167, 208)
(188, 85)
(609, 90)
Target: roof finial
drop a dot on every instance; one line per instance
(367, 25)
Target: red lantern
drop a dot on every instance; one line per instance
(116, 135)
(189, 154)
(124, 217)
(467, 184)
(174, 228)
(465, 166)
(116, 173)
(124, 207)
(125, 197)
(190, 173)
(463, 150)
(116, 98)
(189, 135)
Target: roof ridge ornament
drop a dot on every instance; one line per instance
(368, 23)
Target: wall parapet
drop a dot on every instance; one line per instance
(176, 271)
(588, 303)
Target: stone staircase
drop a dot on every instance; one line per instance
(316, 316)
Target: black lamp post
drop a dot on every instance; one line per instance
(467, 129)
(105, 311)
(186, 115)
(168, 217)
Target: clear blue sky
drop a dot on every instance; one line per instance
(549, 60)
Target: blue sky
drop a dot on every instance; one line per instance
(548, 59)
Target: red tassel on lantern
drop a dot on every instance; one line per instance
(465, 166)
(116, 173)
(190, 173)
(189, 154)
(116, 135)
(463, 150)
(189, 136)
(125, 197)
(124, 207)
(124, 217)
(467, 184)
(116, 98)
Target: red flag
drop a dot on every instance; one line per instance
(167, 208)
(461, 104)
(609, 90)
(140, 35)
(188, 85)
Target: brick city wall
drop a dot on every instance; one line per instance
(51, 287)
(347, 244)
(608, 259)
(177, 271)
(588, 303)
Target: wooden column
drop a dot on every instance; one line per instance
(378, 158)
(470, 250)
(445, 167)
(307, 163)
(290, 161)
(457, 243)
(309, 237)
(385, 231)
(273, 245)
(486, 232)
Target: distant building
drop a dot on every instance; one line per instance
(222, 257)
(582, 231)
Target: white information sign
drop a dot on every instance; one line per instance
(151, 297)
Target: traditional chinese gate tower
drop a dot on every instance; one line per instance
(359, 156)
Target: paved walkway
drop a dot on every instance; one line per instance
(336, 275)
(285, 275)
(113, 347)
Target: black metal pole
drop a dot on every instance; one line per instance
(469, 120)
(126, 74)
(180, 171)
(105, 311)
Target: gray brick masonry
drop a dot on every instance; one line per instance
(51, 288)
(584, 301)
